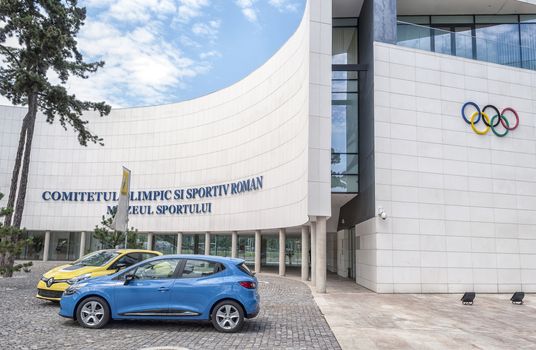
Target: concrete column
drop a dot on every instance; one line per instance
(82, 244)
(321, 264)
(313, 253)
(282, 252)
(258, 253)
(207, 243)
(46, 246)
(234, 243)
(305, 253)
(150, 241)
(179, 243)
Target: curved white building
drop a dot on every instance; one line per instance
(346, 151)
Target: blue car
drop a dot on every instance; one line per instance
(170, 287)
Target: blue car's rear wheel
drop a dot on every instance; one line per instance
(228, 317)
(93, 312)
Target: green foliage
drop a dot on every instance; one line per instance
(46, 51)
(111, 239)
(11, 245)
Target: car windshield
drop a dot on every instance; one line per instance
(99, 258)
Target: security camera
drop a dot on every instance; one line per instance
(381, 213)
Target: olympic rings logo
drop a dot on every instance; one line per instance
(490, 123)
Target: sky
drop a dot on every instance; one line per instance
(165, 51)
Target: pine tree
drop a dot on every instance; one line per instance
(45, 32)
(110, 239)
(11, 244)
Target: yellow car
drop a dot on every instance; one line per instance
(99, 263)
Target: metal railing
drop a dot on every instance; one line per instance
(462, 44)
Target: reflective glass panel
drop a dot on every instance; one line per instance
(443, 40)
(414, 36)
(498, 44)
(220, 245)
(344, 46)
(344, 163)
(528, 42)
(344, 122)
(166, 244)
(344, 183)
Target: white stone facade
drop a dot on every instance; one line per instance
(461, 208)
(274, 123)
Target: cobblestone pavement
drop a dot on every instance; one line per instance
(289, 319)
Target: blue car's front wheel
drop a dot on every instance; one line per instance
(93, 312)
(228, 317)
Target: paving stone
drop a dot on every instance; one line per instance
(289, 319)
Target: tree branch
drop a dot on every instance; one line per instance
(4, 48)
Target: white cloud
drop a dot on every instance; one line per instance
(141, 65)
(209, 30)
(284, 5)
(189, 9)
(248, 9)
(139, 10)
(209, 54)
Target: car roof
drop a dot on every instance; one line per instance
(121, 251)
(215, 258)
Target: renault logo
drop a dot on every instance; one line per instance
(50, 282)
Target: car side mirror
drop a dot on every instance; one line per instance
(129, 277)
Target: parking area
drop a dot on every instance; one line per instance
(289, 319)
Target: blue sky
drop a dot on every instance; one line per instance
(163, 51)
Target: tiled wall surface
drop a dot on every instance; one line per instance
(319, 202)
(461, 207)
(258, 126)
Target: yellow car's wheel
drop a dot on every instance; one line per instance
(93, 312)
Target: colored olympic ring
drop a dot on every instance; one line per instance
(491, 121)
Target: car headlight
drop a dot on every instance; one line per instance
(74, 288)
(77, 279)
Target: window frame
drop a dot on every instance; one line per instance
(183, 266)
(131, 271)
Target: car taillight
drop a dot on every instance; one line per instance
(248, 285)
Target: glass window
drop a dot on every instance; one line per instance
(443, 40)
(64, 246)
(166, 244)
(415, 19)
(344, 46)
(499, 19)
(126, 261)
(528, 18)
(34, 249)
(344, 22)
(158, 269)
(498, 44)
(145, 256)
(220, 245)
(414, 36)
(193, 244)
(244, 268)
(528, 45)
(246, 248)
(451, 19)
(99, 258)
(464, 42)
(344, 164)
(200, 268)
(344, 183)
(344, 122)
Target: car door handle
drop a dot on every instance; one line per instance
(163, 289)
